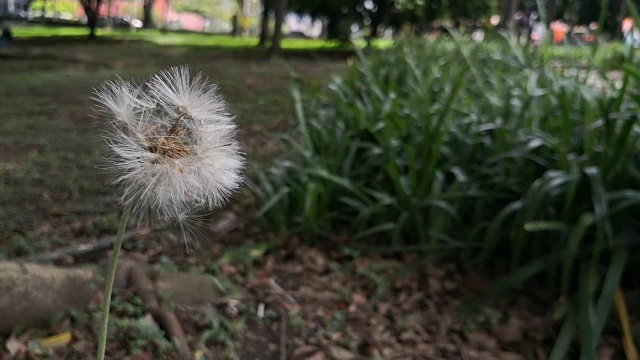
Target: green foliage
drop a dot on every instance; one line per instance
(483, 151)
(70, 7)
(140, 334)
(393, 13)
(612, 55)
(133, 331)
(216, 328)
(222, 10)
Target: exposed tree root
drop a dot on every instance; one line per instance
(142, 285)
(32, 294)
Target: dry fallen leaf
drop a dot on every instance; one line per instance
(340, 353)
(227, 222)
(56, 341)
(481, 340)
(509, 332)
(506, 355)
(435, 284)
(358, 298)
(15, 346)
(304, 351)
(313, 259)
(145, 355)
(198, 355)
(606, 352)
(317, 356)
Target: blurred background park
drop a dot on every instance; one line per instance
(426, 179)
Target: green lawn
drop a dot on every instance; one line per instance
(175, 38)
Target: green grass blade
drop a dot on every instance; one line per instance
(564, 338)
(611, 282)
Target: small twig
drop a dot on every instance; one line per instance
(83, 250)
(280, 291)
(283, 335)
(620, 305)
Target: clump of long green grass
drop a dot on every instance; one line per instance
(484, 151)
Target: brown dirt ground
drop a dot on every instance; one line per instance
(334, 305)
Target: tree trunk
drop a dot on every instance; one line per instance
(515, 5)
(552, 10)
(109, 17)
(264, 23)
(505, 13)
(378, 18)
(334, 29)
(147, 9)
(373, 33)
(614, 19)
(91, 10)
(507, 9)
(166, 15)
(92, 22)
(281, 10)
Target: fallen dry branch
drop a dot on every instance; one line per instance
(83, 250)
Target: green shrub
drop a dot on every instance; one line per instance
(489, 151)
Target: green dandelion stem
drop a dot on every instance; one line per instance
(108, 288)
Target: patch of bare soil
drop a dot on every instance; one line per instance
(15, 153)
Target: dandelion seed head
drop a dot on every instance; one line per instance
(172, 144)
(122, 100)
(180, 92)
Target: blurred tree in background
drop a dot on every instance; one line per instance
(371, 18)
(147, 10)
(92, 10)
(267, 6)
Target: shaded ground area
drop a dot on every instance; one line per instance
(335, 303)
(50, 146)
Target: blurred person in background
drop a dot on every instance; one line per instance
(559, 30)
(630, 33)
(538, 32)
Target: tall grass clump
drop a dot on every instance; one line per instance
(482, 151)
